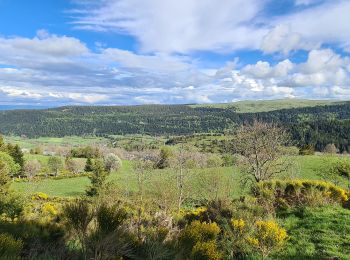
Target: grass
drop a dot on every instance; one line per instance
(270, 105)
(307, 167)
(54, 141)
(318, 233)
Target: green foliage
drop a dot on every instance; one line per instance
(12, 166)
(89, 166)
(335, 170)
(85, 152)
(17, 154)
(214, 160)
(308, 125)
(55, 164)
(299, 193)
(228, 160)
(4, 177)
(11, 205)
(97, 178)
(110, 218)
(10, 248)
(166, 153)
(2, 142)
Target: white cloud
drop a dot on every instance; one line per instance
(43, 44)
(324, 59)
(263, 69)
(114, 76)
(324, 23)
(282, 39)
(178, 26)
(183, 26)
(160, 62)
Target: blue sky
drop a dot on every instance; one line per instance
(117, 52)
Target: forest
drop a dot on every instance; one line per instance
(314, 126)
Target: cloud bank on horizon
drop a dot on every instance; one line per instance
(165, 51)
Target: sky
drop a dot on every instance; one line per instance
(127, 52)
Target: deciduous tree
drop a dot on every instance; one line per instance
(261, 146)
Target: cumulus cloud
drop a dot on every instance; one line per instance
(177, 26)
(263, 69)
(189, 25)
(114, 76)
(325, 23)
(282, 39)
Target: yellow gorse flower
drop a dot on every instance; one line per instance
(238, 224)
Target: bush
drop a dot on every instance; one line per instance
(166, 153)
(10, 248)
(206, 250)
(40, 196)
(11, 206)
(299, 193)
(228, 160)
(214, 161)
(112, 162)
(194, 235)
(307, 150)
(268, 237)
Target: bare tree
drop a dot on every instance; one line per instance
(112, 162)
(182, 162)
(142, 169)
(262, 148)
(330, 149)
(31, 168)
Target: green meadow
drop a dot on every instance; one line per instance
(304, 167)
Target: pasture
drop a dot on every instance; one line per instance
(198, 180)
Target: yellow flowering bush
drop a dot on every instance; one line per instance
(267, 237)
(305, 192)
(206, 250)
(194, 238)
(195, 214)
(49, 208)
(40, 196)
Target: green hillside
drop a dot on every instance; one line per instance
(270, 105)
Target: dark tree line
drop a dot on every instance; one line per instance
(316, 126)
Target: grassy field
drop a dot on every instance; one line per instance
(54, 141)
(306, 167)
(270, 105)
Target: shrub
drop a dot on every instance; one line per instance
(214, 161)
(268, 237)
(40, 196)
(112, 162)
(49, 208)
(206, 250)
(299, 192)
(11, 206)
(193, 235)
(166, 153)
(307, 150)
(10, 248)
